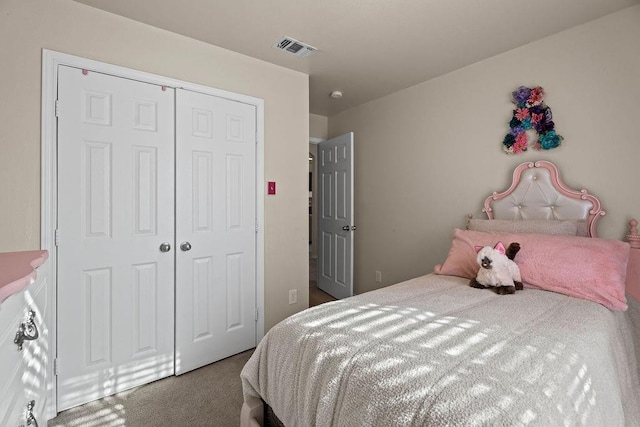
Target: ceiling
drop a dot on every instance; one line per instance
(366, 48)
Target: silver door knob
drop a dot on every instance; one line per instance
(165, 247)
(185, 246)
(353, 228)
(345, 228)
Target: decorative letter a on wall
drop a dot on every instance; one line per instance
(531, 113)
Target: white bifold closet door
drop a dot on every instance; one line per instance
(216, 219)
(115, 208)
(157, 232)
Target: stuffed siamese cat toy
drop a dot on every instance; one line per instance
(497, 269)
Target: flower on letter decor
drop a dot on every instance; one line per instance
(522, 113)
(530, 113)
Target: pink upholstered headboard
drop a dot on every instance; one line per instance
(537, 192)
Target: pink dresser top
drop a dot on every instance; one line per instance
(17, 270)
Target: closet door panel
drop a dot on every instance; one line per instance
(215, 219)
(115, 209)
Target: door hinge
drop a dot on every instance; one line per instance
(57, 107)
(56, 237)
(256, 319)
(55, 366)
(257, 226)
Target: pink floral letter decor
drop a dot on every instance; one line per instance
(530, 113)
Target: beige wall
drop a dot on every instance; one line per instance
(318, 126)
(26, 27)
(428, 155)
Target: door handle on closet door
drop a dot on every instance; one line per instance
(185, 246)
(165, 247)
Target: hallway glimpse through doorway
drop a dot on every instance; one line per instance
(316, 296)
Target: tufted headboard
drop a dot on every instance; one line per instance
(537, 192)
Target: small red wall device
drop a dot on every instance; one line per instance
(271, 188)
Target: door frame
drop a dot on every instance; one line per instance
(314, 201)
(49, 185)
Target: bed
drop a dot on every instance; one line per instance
(435, 351)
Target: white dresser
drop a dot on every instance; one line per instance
(23, 320)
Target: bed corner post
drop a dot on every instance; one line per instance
(633, 266)
(252, 413)
(633, 238)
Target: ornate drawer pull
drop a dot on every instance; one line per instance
(30, 418)
(27, 331)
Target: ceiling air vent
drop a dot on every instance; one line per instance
(294, 47)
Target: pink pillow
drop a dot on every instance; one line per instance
(588, 268)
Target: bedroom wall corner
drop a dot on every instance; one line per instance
(429, 154)
(73, 28)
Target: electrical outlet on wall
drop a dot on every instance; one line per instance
(293, 296)
(378, 276)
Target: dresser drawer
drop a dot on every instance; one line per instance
(23, 373)
(12, 400)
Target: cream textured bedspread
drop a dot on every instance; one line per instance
(433, 351)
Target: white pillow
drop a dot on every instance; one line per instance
(540, 226)
(582, 227)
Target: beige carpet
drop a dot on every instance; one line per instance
(209, 396)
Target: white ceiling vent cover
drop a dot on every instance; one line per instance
(294, 47)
